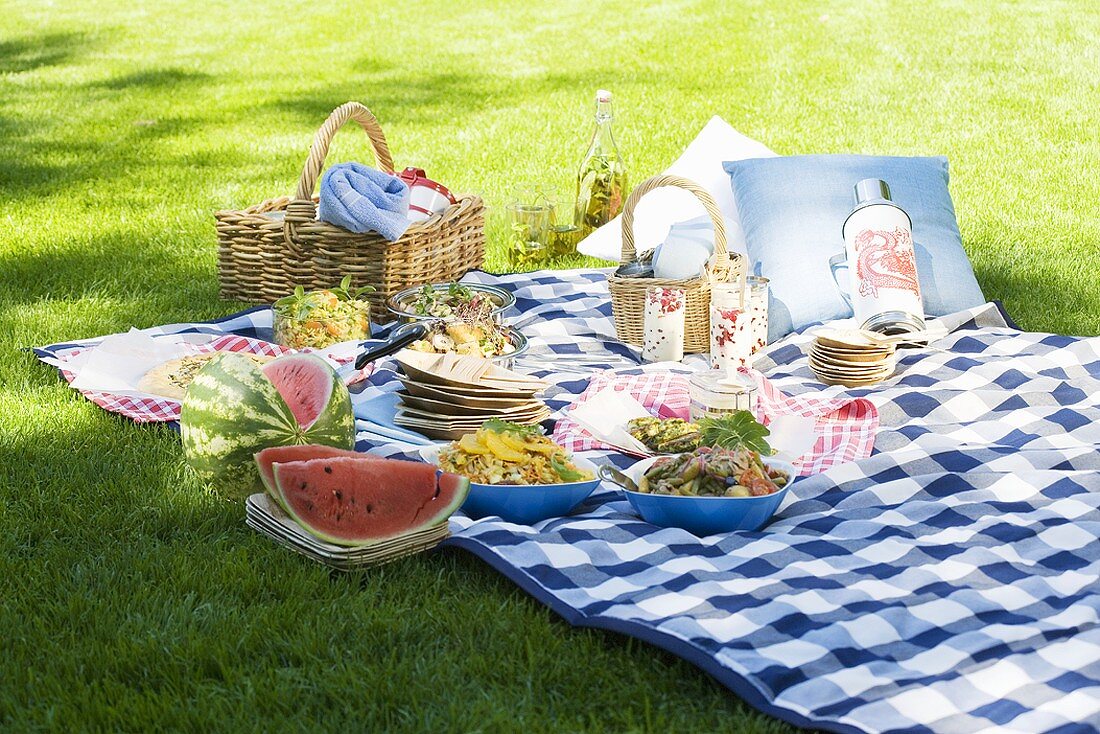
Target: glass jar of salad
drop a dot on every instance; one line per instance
(319, 319)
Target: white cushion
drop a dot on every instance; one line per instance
(701, 162)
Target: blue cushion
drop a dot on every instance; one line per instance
(792, 210)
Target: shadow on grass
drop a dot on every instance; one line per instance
(26, 53)
(109, 463)
(118, 264)
(152, 79)
(21, 179)
(1049, 301)
(31, 52)
(44, 156)
(32, 168)
(411, 94)
(1045, 281)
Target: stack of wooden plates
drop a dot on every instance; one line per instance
(267, 518)
(852, 358)
(447, 396)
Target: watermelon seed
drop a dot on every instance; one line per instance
(339, 494)
(328, 470)
(370, 508)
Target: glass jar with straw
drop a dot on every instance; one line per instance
(756, 295)
(731, 332)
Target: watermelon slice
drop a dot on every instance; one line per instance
(282, 454)
(306, 389)
(361, 501)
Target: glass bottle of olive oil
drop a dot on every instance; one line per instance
(601, 181)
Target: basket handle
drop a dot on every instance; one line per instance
(318, 151)
(629, 253)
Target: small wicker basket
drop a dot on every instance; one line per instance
(628, 294)
(266, 250)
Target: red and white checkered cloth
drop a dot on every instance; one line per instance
(845, 427)
(150, 409)
(663, 394)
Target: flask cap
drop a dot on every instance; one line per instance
(872, 188)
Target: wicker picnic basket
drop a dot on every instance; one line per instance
(628, 294)
(266, 250)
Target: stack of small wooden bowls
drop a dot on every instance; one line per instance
(851, 357)
(447, 395)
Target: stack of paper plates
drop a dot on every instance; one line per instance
(446, 396)
(852, 358)
(266, 517)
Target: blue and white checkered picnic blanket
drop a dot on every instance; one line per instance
(948, 583)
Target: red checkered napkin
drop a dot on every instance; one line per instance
(845, 428)
(662, 393)
(150, 409)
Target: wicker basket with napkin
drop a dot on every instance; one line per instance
(266, 250)
(628, 293)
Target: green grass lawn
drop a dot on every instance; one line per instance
(134, 600)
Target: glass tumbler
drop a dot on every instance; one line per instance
(731, 333)
(663, 329)
(757, 287)
(531, 219)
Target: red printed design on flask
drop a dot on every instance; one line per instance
(886, 260)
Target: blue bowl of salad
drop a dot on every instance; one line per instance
(529, 504)
(520, 476)
(730, 490)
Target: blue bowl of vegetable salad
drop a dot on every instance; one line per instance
(528, 504)
(548, 489)
(711, 514)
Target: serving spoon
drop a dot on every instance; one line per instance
(611, 474)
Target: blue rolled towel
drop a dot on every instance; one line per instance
(363, 199)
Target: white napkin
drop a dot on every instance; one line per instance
(605, 416)
(119, 362)
(685, 251)
(791, 436)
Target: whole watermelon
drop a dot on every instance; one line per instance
(235, 408)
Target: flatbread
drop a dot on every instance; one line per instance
(170, 379)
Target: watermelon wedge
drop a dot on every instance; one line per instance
(356, 501)
(282, 454)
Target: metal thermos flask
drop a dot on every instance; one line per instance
(882, 264)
